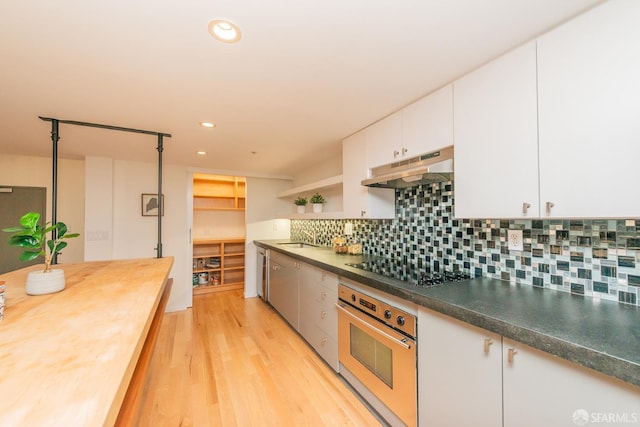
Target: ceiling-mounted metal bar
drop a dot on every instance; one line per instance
(55, 137)
(109, 127)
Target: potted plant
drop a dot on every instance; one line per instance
(317, 201)
(300, 203)
(33, 238)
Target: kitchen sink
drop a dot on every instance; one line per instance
(298, 245)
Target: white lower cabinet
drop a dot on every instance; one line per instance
(318, 313)
(543, 390)
(459, 373)
(468, 376)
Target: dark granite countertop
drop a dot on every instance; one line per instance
(601, 335)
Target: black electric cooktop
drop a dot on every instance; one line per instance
(419, 276)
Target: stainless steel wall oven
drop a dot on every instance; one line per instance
(377, 352)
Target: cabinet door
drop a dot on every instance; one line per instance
(360, 201)
(458, 364)
(283, 288)
(384, 140)
(543, 390)
(496, 139)
(589, 101)
(427, 124)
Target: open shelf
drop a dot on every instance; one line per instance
(218, 265)
(218, 192)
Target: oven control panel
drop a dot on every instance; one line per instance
(384, 312)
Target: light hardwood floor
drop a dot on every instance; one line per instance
(231, 361)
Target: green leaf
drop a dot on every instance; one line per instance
(62, 229)
(24, 242)
(28, 256)
(13, 229)
(61, 246)
(71, 235)
(30, 219)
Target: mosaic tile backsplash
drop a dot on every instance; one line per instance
(597, 258)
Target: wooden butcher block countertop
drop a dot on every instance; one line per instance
(67, 359)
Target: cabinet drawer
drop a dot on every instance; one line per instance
(325, 345)
(323, 317)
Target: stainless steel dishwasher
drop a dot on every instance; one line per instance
(262, 273)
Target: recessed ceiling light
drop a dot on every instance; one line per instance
(208, 124)
(224, 31)
(201, 153)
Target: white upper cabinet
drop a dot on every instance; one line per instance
(427, 124)
(496, 138)
(360, 201)
(384, 140)
(424, 126)
(566, 148)
(589, 114)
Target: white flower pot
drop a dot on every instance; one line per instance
(41, 283)
(317, 207)
(300, 209)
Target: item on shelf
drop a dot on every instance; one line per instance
(195, 280)
(200, 263)
(215, 279)
(203, 278)
(213, 263)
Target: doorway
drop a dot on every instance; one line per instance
(219, 230)
(15, 202)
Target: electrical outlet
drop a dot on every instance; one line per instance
(348, 229)
(515, 240)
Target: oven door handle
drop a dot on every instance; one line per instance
(402, 342)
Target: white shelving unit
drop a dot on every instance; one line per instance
(330, 188)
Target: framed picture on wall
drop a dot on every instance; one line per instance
(150, 205)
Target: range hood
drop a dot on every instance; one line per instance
(436, 166)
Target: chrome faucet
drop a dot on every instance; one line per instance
(312, 235)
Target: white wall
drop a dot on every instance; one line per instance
(98, 226)
(263, 209)
(26, 171)
(218, 224)
(131, 235)
(324, 169)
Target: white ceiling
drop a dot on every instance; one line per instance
(305, 74)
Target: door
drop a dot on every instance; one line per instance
(15, 202)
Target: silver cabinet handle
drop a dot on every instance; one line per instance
(525, 208)
(323, 341)
(323, 296)
(549, 206)
(363, 213)
(402, 342)
(396, 153)
(488, 342)
(510, 353)
(323, 314)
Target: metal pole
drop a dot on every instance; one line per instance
(54, 138)
(160, 198)
(54, 189)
